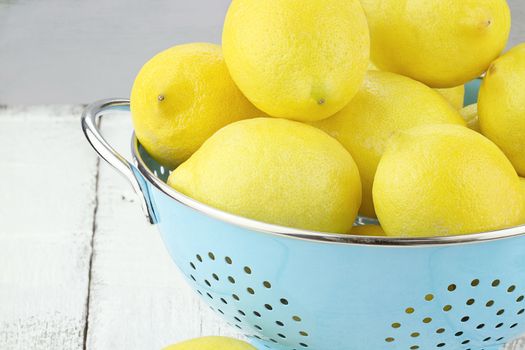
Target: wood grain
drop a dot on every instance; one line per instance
(46, 219)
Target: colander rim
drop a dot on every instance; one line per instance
(325, 237)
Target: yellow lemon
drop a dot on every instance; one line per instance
(277, 171)
(442, 43)
(454, 96)
(181, 97)
(522, 180)
(470, 115)
(440, 180)
(368, 230)
(301, 60)
(501, 105)
(212, 343)
(386, 103)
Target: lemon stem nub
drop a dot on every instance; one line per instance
(321, 101)
(160, 98)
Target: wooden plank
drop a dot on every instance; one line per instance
(47, 193)
(138, 299)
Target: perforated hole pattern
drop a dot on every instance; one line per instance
(469, 332)
(451, 322)
(257, 322)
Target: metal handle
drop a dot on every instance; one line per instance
(106, 152)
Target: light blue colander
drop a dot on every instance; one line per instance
(289, 289)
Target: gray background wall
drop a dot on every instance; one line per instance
(74, 51)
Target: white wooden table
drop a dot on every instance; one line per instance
(79, 266)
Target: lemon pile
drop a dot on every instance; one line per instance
(314, 112)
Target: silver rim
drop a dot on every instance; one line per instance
(312, 235)
(104, 149)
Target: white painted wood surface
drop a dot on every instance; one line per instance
(79, 266)
(47, 193)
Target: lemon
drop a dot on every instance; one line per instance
(212, 343)
(386, 103)
(181, 97)
(470, 115)
(277, 171)
(454, 95)
(522, 180)
(301, 60)
(441, 43)
(440, 180)
(368, 230)
(501, 105)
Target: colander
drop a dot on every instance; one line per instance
(290, 289)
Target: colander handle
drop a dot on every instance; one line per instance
(112, 157)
